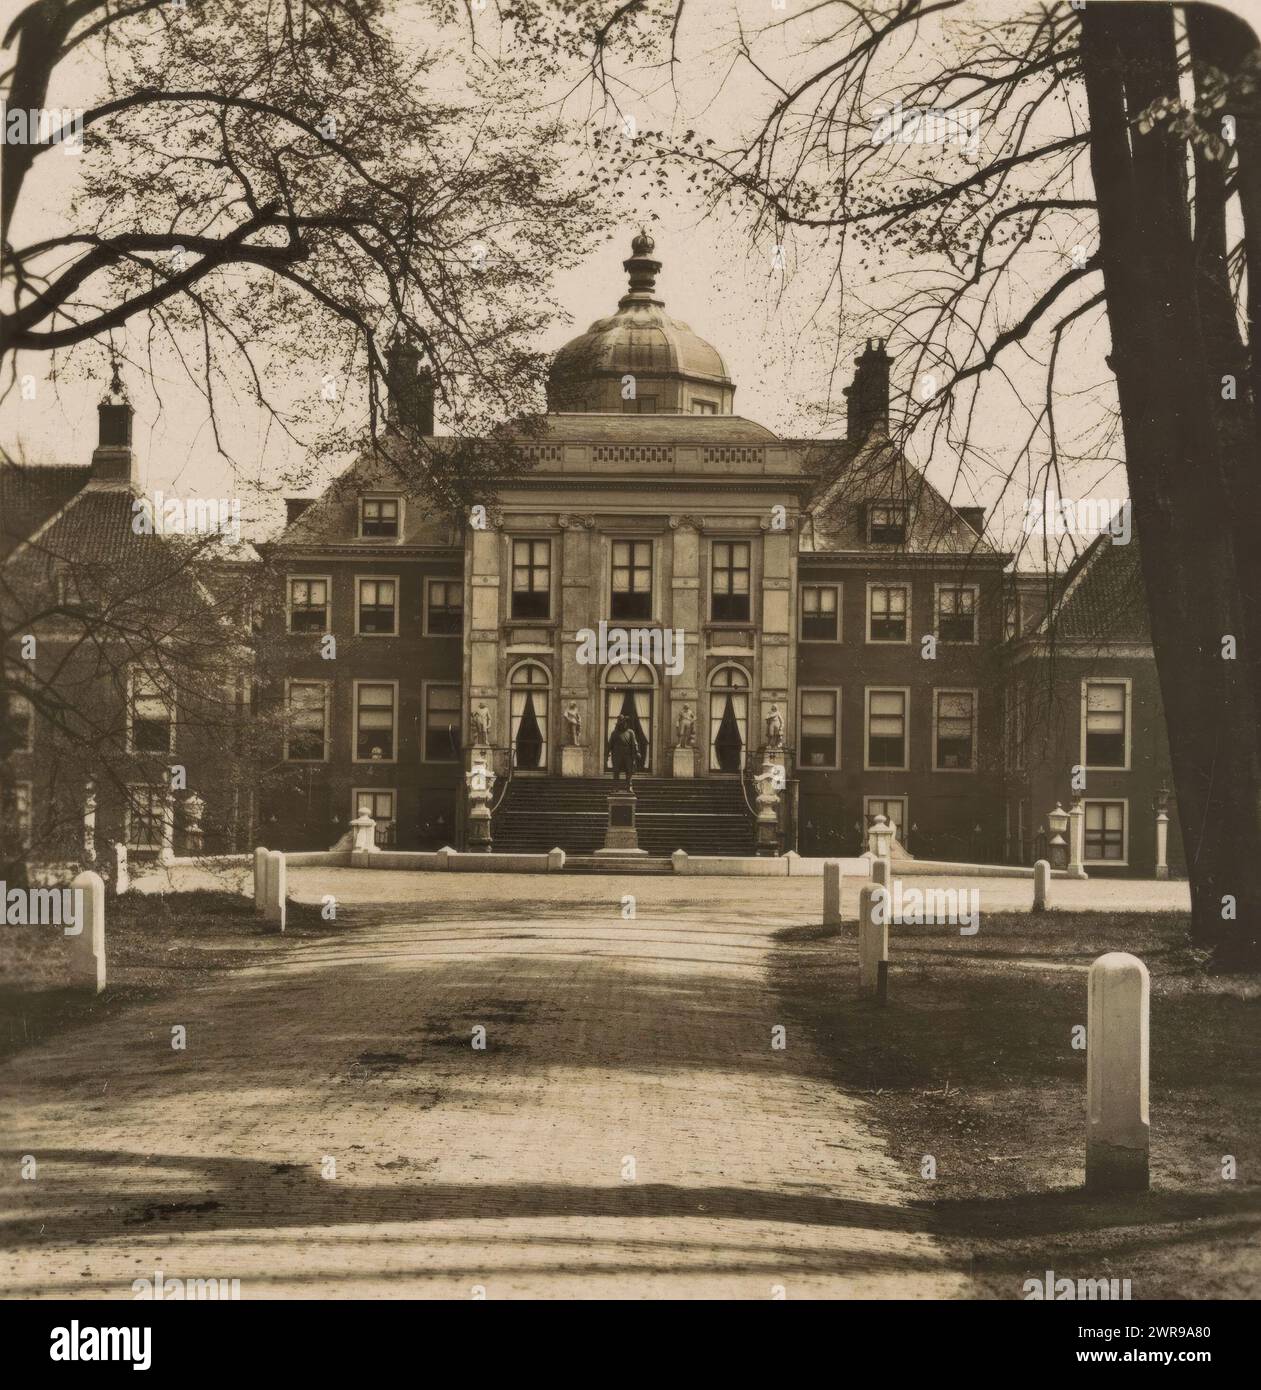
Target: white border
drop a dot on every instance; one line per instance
(1127, 682)
(839, 586)
(910, 595)
(398, 601)
(354, 723)
(868, 692)
(290, 682)
(976, 709)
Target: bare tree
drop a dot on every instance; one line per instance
(1081, 192)
(268, 195)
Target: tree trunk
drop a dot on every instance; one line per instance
(1227, 43)
(1177, 467)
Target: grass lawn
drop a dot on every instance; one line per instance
(971, 1062)
(153, 945)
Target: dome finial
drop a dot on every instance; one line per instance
(642, 270)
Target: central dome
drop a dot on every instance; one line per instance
(640, 360)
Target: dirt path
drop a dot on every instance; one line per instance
(456, 1168)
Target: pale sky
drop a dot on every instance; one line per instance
(777, 329)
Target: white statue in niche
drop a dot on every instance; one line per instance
(774, 729)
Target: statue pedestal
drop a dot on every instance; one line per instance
(621, 839)
(685, 762)
(570, 761)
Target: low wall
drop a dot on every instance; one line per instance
(903, 868)
(448, 860)
(330, 858)
(790, 865)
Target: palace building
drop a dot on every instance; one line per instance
(666, 559)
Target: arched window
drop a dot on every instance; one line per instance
(630, 692)
(728, 718)
(528, 688)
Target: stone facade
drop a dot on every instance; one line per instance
(821, 589)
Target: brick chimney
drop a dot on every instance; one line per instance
(294, 507)
(410, 386)
(112, 459)
(867, 400)
(975, 517)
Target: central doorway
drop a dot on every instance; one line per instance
(630, 690)
(728, 719)
(528, 688)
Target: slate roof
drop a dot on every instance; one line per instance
(1103, 598)
(848, 483)
(94, 529)
(30, 494)
(93, 542)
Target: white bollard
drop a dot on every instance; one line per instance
(881, 872)
(275, 905)
(260, 881)
(831, 893)
(1117, 1131)
(1041, 885)
(87, 948)
(873, 935)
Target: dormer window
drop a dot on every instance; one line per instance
(886, 523)
(379, 518)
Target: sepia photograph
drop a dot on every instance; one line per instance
(631, 667)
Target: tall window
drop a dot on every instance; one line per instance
(886, 523)
(376, 722)
(22, 715)
(146, 817)
(442, 723)
(444, 614)
(641, 405)
(956, 613)
(379, 804)
(632, 579)
(22, 811)
(378, 607)
(704, 407)
(1105, 832)
(152, 716)
(729, 587)
(307, 737)
(955, 723)
(531, 579)
(1106, 724)
(379, 517)
(820, 613)
(308, 605)
(820, 718)
(886, 728)
(886, 612)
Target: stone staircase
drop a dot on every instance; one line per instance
(701, 816)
